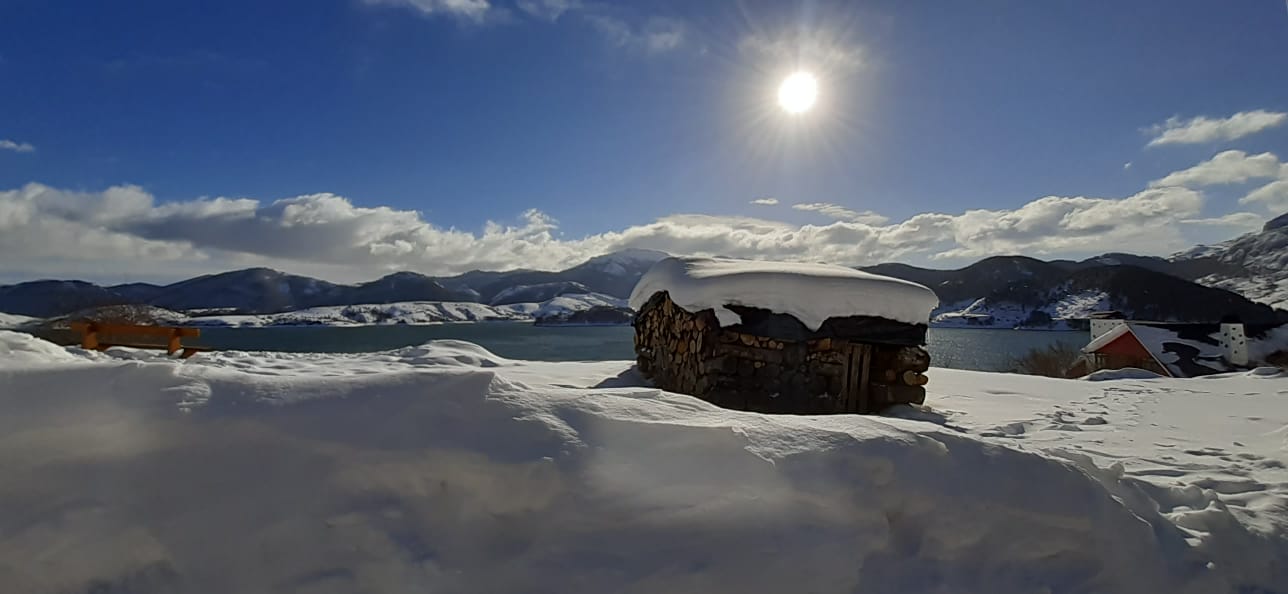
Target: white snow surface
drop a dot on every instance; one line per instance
(1125, 373)
(8, 320)
(446, 468)
(413, 312)
(811, 293)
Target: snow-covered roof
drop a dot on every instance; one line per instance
(811, 293)
(1104, 339)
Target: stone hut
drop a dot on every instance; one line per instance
(782, 337)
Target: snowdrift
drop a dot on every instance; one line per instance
(445, 468)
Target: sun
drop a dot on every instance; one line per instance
(798, 92)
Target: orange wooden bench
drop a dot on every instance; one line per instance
(99, 336)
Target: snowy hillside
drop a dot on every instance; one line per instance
(1254, 265)
(535, 293)
(1057, 308)
(412, 312)
(1004, 291)
(445, 468)
(625, 262)
(565, 304)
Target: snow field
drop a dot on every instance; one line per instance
(446, 468)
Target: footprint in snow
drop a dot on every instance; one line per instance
(1158, 472)
(1207, 452)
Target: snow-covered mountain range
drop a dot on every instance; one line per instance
(262, 291)
(416, 312)
(1015, 291)
(1246, 277)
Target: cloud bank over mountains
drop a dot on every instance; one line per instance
(47, 231)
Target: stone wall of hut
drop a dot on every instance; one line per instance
(690, 353)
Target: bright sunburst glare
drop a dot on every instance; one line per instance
(798, 92)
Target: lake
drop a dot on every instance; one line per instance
(960, 348)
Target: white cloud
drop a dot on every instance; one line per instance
(1126, 165)
(841, 213)
(1228, 167)
(122, 232)
(765, 201)
(1144, 223)
(1204, 129)
(651, 35)
(549, 10)
(1273, 196)
(1238, 167)
(470, 10)
(817, 49)
(17, 147)
(1240, 220)
(656, 35)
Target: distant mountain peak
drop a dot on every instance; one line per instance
(404, 275)
(634, 255)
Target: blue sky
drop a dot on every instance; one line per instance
(441, 135)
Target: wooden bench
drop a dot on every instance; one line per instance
(100, 336)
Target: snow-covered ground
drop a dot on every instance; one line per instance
(445, 468)
(413, 312)
(13, 320)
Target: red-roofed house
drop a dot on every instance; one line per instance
(1178, 350)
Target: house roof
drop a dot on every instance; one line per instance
(1186, 350)
(1106, 338)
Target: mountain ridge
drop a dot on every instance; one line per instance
(1002, 291)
